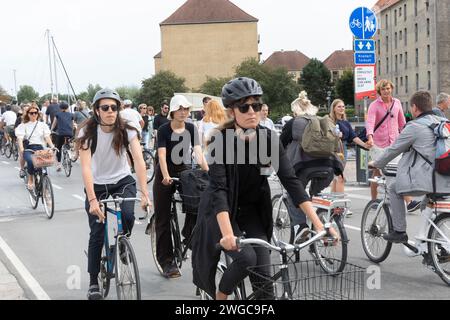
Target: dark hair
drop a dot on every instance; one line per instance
(422, 100)
(119, 131)
(206, 99)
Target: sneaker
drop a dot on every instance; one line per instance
(94, 293)
(348, 213)
(22, 173)
(58, 167)
(396, 237)
(302, 235)
(171, 271)
(413, 206)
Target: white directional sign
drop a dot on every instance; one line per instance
(361, 45)
(364, 81)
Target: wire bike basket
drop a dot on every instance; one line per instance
(307, 281)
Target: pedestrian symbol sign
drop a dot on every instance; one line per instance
(363, 23)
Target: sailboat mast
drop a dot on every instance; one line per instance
(56, 74)
(50, 62)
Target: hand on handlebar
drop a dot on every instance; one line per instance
(95, 209)
(167, 181)
(228, 242)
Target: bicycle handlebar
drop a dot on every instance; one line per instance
(119, 200)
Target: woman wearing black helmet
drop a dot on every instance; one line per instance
(102, 142)
(237, 199)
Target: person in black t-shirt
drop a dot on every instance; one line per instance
(171, 137)
(161, 118)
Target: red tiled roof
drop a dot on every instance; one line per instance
(383, 4)
(208, 11)
(291, 60)
(340, 59)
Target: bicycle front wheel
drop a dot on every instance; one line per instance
(149, 165)
(281, 220)
(151, 230)
(48, 198)
(8, 150)
(104, 279)
(439, 250)
(376, 221)
(332, 257)
(128, 285)
(15, 152)
(32, 194)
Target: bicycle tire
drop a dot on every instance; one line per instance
(440, 256)
(104, 280)
(329, 262)
(32, 194)
(149, 165)
(128, 269)
(15, 152)
(8, 150)
(376, 231)
(67, 163)
(152, 233)
(282, 227)
(48, 198)
(176, 242)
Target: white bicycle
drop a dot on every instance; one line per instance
(432, 242)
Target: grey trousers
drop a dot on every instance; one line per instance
(398, 209)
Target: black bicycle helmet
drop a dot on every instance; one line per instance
(106, 94)
(63, 105)
(238, 89)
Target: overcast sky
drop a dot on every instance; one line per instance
(112, 42)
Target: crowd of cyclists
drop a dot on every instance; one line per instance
(111, 134)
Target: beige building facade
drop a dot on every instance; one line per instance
(413, 46)
(206, 38)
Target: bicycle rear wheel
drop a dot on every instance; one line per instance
(176, 242)
(149, 165)
(67, 163)
(374, 224)
(151, 230)
(440, 250)
(128, 284)
(332, 257)
(281, 220)
(48, 198)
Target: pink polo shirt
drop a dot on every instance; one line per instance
(391, 126)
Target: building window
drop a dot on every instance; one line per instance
(406, 60)
(407, 106)
(400, 11)
(395, 41)
(387, 25)
(417, 82)
(378, 46)
(396, 63)
(427, 4)
(417, 57)
(428, 27)
(406, 37)
(395, 17)
(401, 81)
(404, 12)
(406, 84)
(396, 85)
(415, 8)
(429, 80)
(379, 66)
(387, 65)
(400, 35)
(416, 31)
(387, 43)
(401, 58)
(428, 54)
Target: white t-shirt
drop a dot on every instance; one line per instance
(9, 118)
(107, 167)
(268, 123)
(24, 130)
(133, 117)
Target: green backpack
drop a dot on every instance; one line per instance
(318, 139)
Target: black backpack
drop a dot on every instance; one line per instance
(193, 183)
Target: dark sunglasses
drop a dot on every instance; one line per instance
(33, 113)
(106, 107)
(256, 106)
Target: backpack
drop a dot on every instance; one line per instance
(441, 132)
(193, 183)
(318, 139)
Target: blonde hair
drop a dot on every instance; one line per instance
(302, 106)
(384, 83)
(333, 112)
(214, 112)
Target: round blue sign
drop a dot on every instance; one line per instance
(363, 23)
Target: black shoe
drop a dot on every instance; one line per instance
(171, 271)
(94, 293)
(413, 206)
(22, 173)
(396, 237)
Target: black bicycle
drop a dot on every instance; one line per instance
(66, 159)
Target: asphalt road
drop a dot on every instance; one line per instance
(52, 251)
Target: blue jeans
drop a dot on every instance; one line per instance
(27, 155)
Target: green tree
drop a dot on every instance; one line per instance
(344, 87)
(4, 96)
(128, 92)
(26, 94)
(213, 86)
(160, 87)
(316, 81)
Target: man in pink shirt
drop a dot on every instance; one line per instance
(385, 120)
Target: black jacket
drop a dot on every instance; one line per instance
(221, 195)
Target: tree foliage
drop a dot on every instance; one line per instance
(128, 92)
(161, 87)
(213, 86)
(26, 93)
(344, 87)
(316, 81)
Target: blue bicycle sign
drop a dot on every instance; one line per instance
(363, 23)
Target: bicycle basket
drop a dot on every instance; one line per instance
(43, 158)
(307, 281)
(193, 183)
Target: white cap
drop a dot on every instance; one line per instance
(127, 102)
(177, 102)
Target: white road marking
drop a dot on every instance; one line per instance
(351, 227)
(2, 220)
(23, 271)
(56, 186)
(78, 197)
(4, 162)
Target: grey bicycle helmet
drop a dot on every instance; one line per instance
(106, 94)
(238, 89)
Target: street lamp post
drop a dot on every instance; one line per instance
(329, 100)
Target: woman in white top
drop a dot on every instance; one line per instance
(214, 115)
(265, 120)
(36, 133)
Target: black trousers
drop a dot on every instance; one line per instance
(250, 223)
(59, 144)
(125, 188)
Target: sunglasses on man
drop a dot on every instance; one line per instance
(106, 107)
(256, 106)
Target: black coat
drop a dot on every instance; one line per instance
(221, 195)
